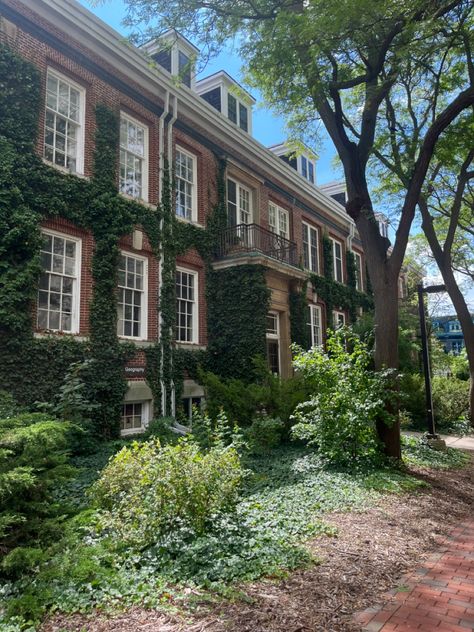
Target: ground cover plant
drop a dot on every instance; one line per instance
(283, 501)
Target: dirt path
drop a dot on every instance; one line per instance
(373, 551)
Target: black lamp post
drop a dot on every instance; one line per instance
(432, 289)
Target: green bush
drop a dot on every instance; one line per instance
(412, 399)
(33, 461)
(450, 400)
(340, 417)
(147, 490)
(241, 402)
(264, 434)
(8, 405)
(160, 428)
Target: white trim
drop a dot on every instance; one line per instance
(109, 45)
(81, 124)
(315, 308)
(358, 257)
(195, 325)
(334, 259)
(275, 337)
(146, 156)
(238, 187)
(76, 294)
(308, 227)
(336, 313)
(145, 417)
(279, 210)
(144, 307)
(194, 196)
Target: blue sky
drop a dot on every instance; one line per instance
(267, 128)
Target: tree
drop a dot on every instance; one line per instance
(336, 61)
(446, 200)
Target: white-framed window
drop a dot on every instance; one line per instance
(339, 319)
(454, 325)
(135, 417)
(358, 272)
(187, 322)
(133, 177)
(273, 342)
(239, 203)
(278, 220)
(186, 185)
(337, 260)
(132, 296)
(237, 112)
(64, 122)
(315, 325)
(310, 248)
(188, 403)
(59, 283)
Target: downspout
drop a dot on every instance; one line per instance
(161, 260)
(350, 236)
(170, 162)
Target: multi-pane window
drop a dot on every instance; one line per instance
(339, 319)
(337, 260)
(64, 126)
(358, 272)
(239, 204)
(273, 342)
(278, 220)
(314, 325)
(310, 248)
(304, 167)
(232, 108)
(184, 68)
(307, 168)
(131, 298)
(134, 417)
(243, 118)
(58, 294)
(186, 306)
(133, 178)
(185, 173)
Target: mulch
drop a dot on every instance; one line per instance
(372, 552)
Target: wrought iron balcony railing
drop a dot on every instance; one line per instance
(253, 238)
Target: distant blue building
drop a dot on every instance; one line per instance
(448, 331)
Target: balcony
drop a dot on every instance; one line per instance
(245, 239)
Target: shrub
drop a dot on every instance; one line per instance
(264, 434)
(8, 405)
(161, 429)
(340, 417)
(148, 490)
(412, 398)
(450, 400)
(33, 461)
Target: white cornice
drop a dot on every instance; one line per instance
(72, 18)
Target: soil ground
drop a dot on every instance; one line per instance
(373, 551)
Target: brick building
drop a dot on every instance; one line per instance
(277, 217)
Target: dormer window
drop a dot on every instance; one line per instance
(228, 98)
(307, 168)
(303, 163)
(175, 54)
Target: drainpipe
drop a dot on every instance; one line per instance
(350, 236)
(161, 261)
(170, 162)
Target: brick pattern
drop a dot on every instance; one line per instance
(439, 595)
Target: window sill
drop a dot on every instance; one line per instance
(64, 170)
(189, 221)
(132, 431)
(193, 345)
(51, 333)
(130, 198)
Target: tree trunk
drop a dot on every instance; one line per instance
(465, 320)
(385, 285)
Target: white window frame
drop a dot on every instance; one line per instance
(315, 309)
(238, 188)
(359, 278)
(76, 292)
(146, 406)
(80, 123)
(146, 156)
(275, 226)
(335, 259)
(195, 319)
(335, 315)
(194, 192)
(313, 265)
(239, 103)
(144, 306)
(275, 336)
